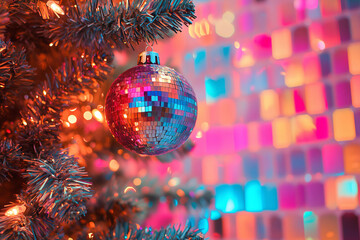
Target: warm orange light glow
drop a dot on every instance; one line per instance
(205, 126)
(174, 182)
(44, 92)
(243, 58)
(114, 165)
(344, 124)
(137, 181)
(15, 210)
(224, 27)
(237, 45)
(180, 193)
(87, 115)
(55, 7)
(125, 116)
(72, 119)
(199, 134)
(98, 115)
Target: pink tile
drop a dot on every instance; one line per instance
(333, 162)
(265, 134)
(241, 137)
(287, 196)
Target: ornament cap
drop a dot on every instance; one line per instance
(148, 58)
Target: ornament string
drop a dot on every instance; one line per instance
(149, 46)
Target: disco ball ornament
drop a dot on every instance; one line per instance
(151, 109)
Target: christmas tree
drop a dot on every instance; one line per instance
(54, 56)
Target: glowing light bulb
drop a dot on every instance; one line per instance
(55, 7)
(15, 210)
(97, 115)
(174, 181)
(114, 165)
(180, 193)
(72, 119)
(87, 115)
(137, 181)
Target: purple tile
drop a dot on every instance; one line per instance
(343, 94)
(314, 193)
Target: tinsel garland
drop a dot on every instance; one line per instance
(44, 62)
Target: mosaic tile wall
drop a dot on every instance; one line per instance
(278, 83)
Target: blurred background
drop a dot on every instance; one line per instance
(277, 137)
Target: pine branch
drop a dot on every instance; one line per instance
(59, 186)
(4, 18)
(128, 231)
(10, 157)
(20, 221)
(15, 77)
(108, 26)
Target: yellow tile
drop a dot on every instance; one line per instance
(287, 102)
(269, 104)
(354, 58)
(355, 90)
(344, 124)
(294, 75)
(281, 44)
(281, 129)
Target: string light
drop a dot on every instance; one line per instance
(87, 115)
(97, 114)
(55, 7)
(15, 210)
(72, 119)
(114, 165)
(137, 181)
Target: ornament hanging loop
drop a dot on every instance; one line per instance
(149, 46)
(149, 57)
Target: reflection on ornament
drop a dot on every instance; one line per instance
(127, 189)
(151, 109)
